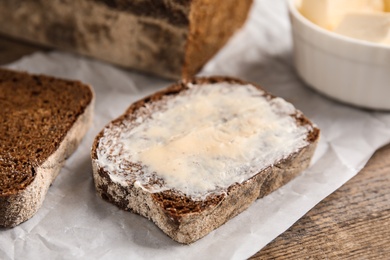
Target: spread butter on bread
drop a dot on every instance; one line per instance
(198, 153)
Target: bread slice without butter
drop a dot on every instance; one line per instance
(43, 119)
(198, 153)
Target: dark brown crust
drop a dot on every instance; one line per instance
(186, 220)
(212, 23)
(169, 38)
(42, 122)
(151, 8)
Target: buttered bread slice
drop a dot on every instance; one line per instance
(195, 155)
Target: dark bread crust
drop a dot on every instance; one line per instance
(186, 220)
(153, 9)
(169, 38)
(42, 122)
(211, 26)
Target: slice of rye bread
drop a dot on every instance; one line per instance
(169, 38)
(182, 217)
(43, 120)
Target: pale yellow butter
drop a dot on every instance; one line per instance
(203, 141)
(360, 19)
(373, 27)
(329, 13)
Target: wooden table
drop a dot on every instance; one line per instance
(353, 222)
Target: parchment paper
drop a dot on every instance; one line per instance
(74, 223)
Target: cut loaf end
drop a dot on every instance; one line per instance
(198, 153)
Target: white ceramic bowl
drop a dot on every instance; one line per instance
(346, 69)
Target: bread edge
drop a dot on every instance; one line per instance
(193, 226)
(18, 207)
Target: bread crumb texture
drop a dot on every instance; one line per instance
(36, 113)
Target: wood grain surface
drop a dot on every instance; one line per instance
(351, 223)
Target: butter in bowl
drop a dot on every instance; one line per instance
(342, 49)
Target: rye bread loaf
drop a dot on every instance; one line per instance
(42, 121)
(136, 183)
(170, 38)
